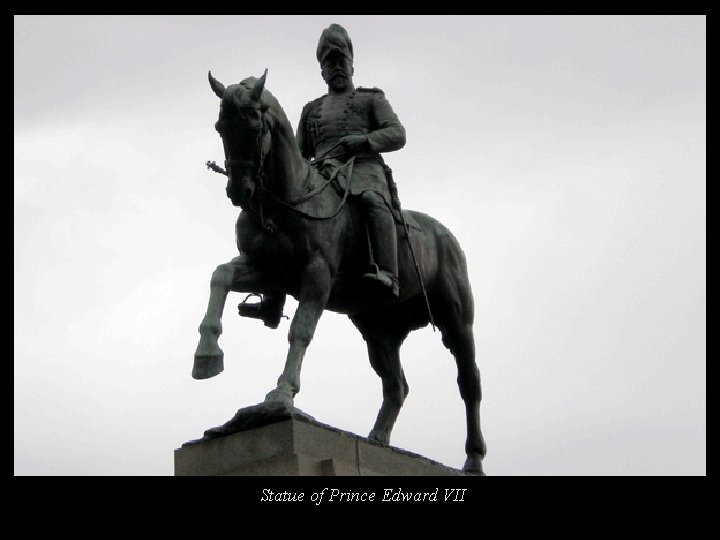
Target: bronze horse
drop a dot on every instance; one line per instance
(301, 235)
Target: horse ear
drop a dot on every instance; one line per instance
(217, 86)
(258, 88)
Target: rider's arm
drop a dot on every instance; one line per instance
(390, 133)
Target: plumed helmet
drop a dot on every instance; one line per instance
(334, 38)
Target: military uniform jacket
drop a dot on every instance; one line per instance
(326, 120)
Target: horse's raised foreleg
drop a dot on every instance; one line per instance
(236, 275)
(314, 293)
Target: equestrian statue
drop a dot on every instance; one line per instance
(321, 220)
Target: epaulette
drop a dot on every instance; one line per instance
(373, 89)
(311, 104)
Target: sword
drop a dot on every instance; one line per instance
(392, 186)
(417, 267)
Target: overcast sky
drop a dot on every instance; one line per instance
(566, 153)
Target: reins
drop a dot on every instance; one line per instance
(262, 191)
(290, 205)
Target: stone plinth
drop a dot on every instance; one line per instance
(294, 444)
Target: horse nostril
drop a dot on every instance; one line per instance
(247, 193)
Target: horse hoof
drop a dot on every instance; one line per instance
(280, 395)
(207, 366)
(473, 466)
(376, 437)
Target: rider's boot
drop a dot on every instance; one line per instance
(269, 309)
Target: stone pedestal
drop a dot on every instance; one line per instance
(293, 444)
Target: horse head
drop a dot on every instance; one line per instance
(245, 129)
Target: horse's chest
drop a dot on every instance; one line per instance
(260, 247)
(273, 253)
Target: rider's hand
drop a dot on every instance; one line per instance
(354, 144)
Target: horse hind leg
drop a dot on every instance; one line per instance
(384, 356)
(453, 307)
(383, 345)
(460, 341)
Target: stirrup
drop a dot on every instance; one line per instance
(268, 313)
(384, 277)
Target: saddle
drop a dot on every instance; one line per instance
(334, 171)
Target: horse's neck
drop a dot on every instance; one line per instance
(287, 168)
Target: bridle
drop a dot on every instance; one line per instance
(257, 166)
